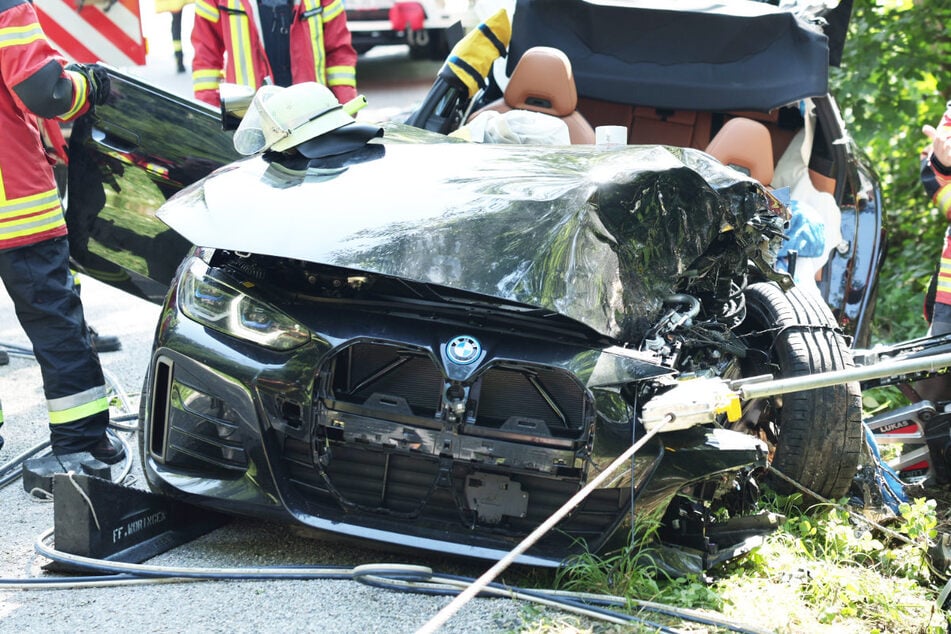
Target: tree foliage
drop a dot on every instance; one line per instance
(895, 77)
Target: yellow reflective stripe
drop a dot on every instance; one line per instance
(944, 276)
(35, 225)
(332, 10)
(20, 35)
(71, 408)
(76, 413)
(342, 76)
(317, 40)
(240, 28)
(11, 209)
(29, 215)
(206, 10)
(942, 199)
(206, 79)
(80, 88)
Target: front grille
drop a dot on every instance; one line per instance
(380, 379)
(389, 457)
(406, 494)
(363, 371)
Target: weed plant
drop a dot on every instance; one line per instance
(824, 570)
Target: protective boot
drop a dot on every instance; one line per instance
(179, 61)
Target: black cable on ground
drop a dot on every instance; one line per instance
(397, 577)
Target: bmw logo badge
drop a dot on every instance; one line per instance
(463, 350)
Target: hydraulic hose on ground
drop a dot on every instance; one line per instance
(399, 577)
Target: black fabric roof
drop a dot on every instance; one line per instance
(692, 54)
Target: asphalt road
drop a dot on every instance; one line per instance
(392, 83)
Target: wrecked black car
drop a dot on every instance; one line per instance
(444, 370)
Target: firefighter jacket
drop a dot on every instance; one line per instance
(33, 81)
(936, 179)
(228, 47)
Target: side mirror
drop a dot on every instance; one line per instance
(235, 101)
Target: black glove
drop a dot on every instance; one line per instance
(97, 78)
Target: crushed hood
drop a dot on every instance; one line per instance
(599, 236)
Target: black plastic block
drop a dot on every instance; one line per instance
(99, 519)
(38, 472)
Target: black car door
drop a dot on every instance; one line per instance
(125, 159)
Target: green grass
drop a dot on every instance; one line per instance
(823, 570)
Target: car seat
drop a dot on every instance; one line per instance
(745, 144)
(543, 82)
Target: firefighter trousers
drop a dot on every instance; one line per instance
(40, 283)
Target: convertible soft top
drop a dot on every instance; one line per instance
(689, 54)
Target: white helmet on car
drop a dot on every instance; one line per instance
(281, 118)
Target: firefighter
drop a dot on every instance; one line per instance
(936, 179)
(34, 253)
(175, 8)
(280, 42)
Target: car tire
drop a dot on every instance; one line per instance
(816, 435)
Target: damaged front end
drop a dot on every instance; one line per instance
(447, 372)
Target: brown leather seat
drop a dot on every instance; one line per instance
(543, 82)
(745, 144)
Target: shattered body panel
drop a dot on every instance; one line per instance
(602, 238)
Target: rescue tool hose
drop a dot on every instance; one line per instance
(464, 597)
(398, 577)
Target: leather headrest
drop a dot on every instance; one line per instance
(543, 82)
(746, 144)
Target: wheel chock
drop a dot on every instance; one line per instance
(99, 519)
(38, 473)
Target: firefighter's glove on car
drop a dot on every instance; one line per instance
(691, 402)
(97, 79)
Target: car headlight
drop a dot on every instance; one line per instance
(218, 305)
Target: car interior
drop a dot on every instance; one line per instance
(542, 81)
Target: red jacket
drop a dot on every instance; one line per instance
(228, 47)
(32, 82)
(937, 184)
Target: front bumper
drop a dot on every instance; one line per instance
(322, 437)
